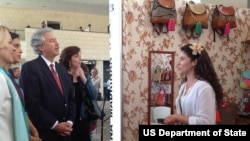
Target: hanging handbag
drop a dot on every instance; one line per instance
(90, 108)
(245, 80)
(164, 15)
(223, 19)
(157, 73)
(165, 75)
(161, 97)
(195, 18)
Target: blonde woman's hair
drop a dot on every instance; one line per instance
(4, 31)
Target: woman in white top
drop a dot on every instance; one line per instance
(201, 91)
(96, 79)
(13, 122)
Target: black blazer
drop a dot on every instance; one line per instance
(43, 99)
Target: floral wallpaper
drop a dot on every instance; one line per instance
(139, 39)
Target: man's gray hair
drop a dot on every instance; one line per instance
(38, 39)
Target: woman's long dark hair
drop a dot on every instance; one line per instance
(204, 70)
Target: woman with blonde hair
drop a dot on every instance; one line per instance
(13, 120)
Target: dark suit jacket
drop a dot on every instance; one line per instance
(44, 102)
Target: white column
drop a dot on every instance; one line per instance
(115, 21)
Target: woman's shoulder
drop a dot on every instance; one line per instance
(203, 84)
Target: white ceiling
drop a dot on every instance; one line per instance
(96, 7)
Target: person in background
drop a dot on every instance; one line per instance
(88, 29)
(80, 28)
(48, 95)
(96, 80)
(85, 68)
(201, 92)
(43, 24)
(108, 89)
(13, 120)
(15, 73)
(71, 59)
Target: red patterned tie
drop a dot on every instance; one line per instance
(56, 77)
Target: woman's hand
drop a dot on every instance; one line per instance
(176, 118)
(32, 138)
(82, 74)
(34, 135)
(170, 120)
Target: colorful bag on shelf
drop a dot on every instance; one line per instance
(245, 80)
(156, 76)
(244, 106)
(195, 18)
(164, 15)
(161, 97)
(223, 19)
(165, 75)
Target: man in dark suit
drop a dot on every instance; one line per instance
(50, 105)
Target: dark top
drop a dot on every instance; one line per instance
(17, 86)
(78, 99)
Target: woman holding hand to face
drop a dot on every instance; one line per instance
(71, 59)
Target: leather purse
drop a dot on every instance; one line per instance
(195, 18)
(223, 19)
(163, 15)
(161, 97)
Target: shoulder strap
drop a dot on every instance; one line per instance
(220, 33)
